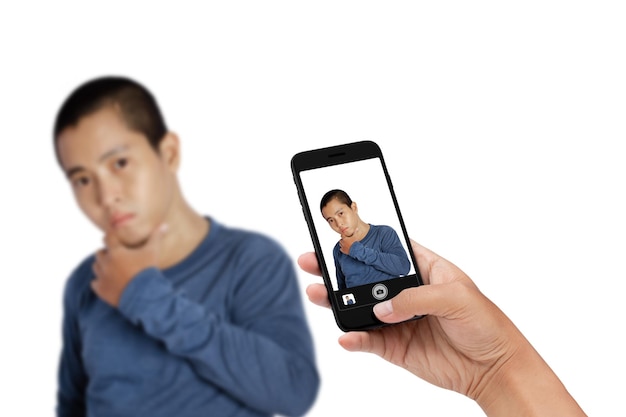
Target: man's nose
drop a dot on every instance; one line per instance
(109, 192)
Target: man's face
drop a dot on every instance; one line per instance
(121, 184)
(342, 218)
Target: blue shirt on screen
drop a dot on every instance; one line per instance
(377, 257)
(222, 333)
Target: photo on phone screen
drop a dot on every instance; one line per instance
(356, 227)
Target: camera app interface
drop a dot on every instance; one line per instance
(359, 231)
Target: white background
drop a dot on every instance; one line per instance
(503, 125)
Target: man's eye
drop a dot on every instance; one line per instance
(81, 181)
(120, 163)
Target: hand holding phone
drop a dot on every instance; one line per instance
(357, 229)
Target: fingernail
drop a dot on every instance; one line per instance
(383, 309)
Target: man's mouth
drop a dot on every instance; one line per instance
(119, 219)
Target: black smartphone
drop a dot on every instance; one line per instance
(357, 229)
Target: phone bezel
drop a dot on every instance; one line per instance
(362, 317)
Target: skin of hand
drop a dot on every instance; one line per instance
(465, 343)
(116, 265)
(345, 243)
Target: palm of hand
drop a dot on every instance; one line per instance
(449, 350)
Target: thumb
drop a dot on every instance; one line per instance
(154, 239)
(160, 231)
(434, 300)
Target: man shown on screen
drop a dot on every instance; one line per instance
(365, 253)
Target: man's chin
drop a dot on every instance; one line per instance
(132, 240)
(135, 244)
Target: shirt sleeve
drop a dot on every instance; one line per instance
(72, 379)
(391, 258)
(262, 354)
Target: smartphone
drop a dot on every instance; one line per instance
(357, 229)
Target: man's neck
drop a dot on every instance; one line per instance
(186, 229)
(364, 228)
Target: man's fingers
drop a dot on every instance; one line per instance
(308, 263)
(96, 267)
(110, 239)
(318, 295)
(95, 286)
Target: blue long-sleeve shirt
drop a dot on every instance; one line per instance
(222, 333)
(377, 257)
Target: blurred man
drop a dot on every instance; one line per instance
(177, 314)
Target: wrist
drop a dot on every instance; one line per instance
(524, 385)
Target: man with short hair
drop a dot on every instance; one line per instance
(365, 253)
(178, 314)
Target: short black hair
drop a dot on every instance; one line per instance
(138, 107)
(340, 195)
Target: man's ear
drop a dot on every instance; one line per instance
(354, 207)
(169, 149)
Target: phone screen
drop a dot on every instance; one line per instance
(356, 226)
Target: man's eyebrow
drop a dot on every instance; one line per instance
(112, 152)
(73, 170)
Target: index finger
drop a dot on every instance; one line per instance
(110, 239)
(308, 263)
(318, 295)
